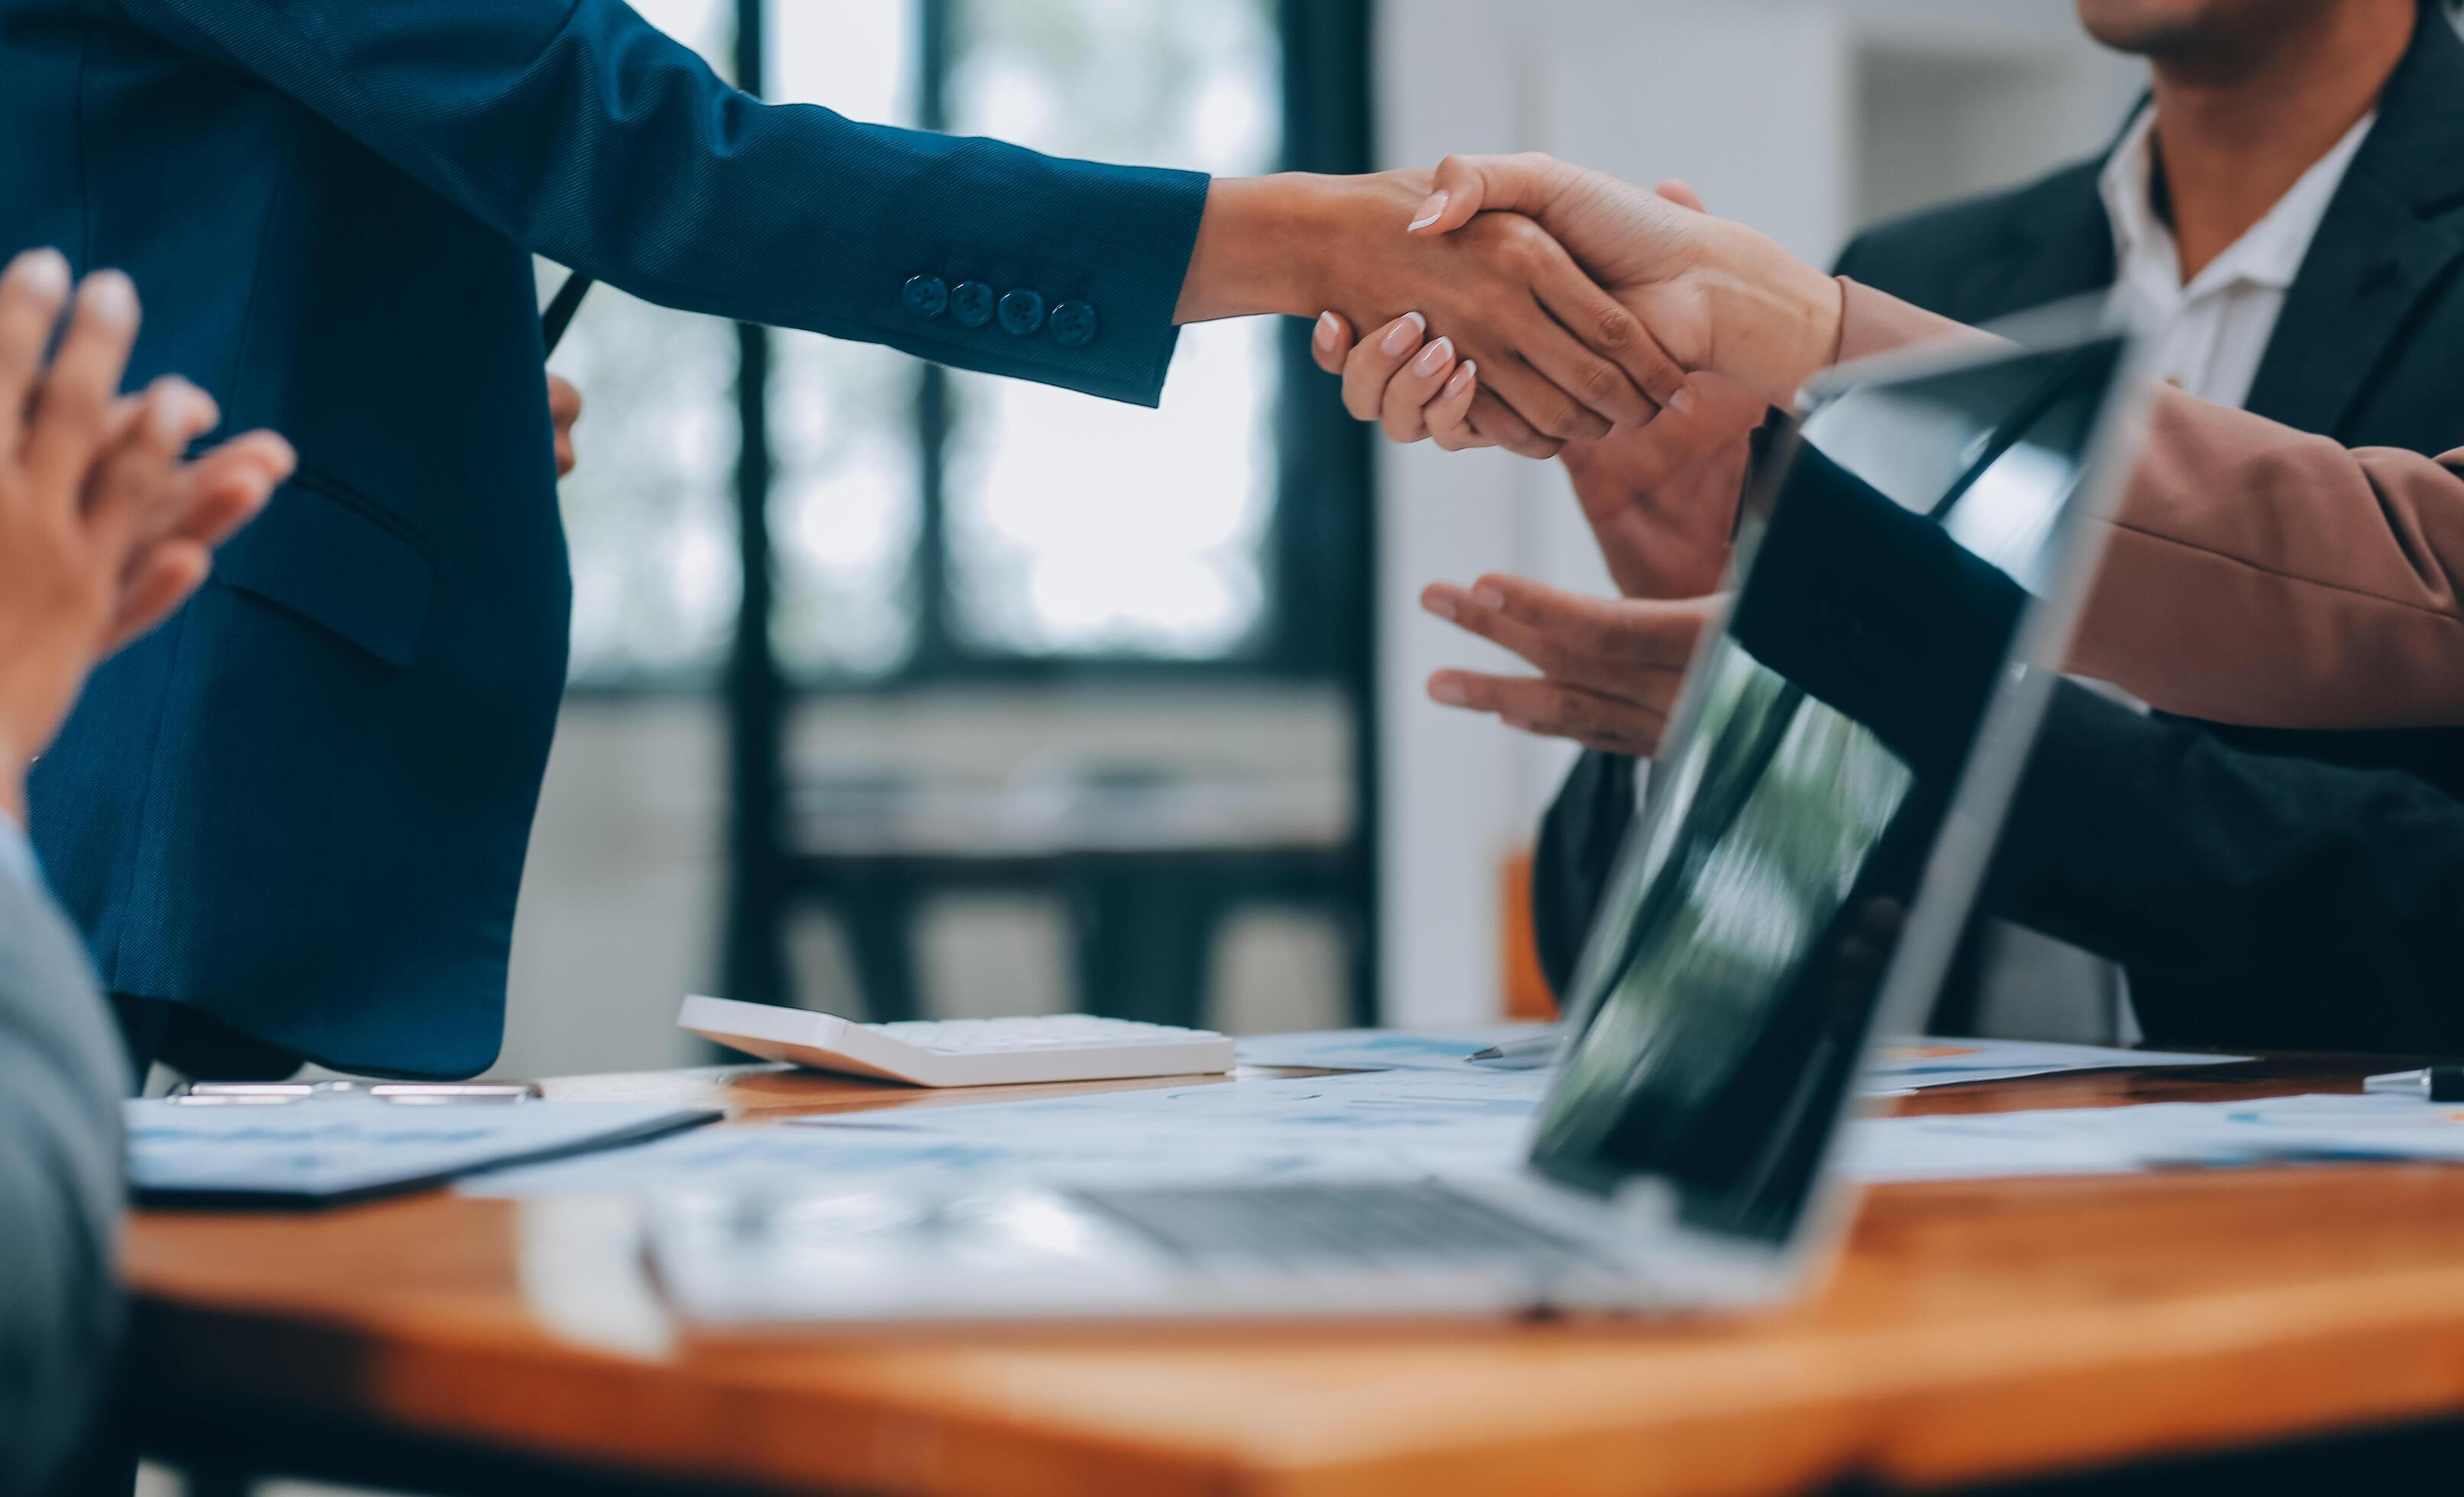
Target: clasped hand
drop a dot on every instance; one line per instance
(1747, 321)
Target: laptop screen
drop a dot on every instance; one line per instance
(1722, 1000)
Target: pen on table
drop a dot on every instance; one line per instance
(1526, 1054)
(2430, 1083)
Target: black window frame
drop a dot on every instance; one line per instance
(1319, 556)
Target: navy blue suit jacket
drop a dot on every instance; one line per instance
(302, 804)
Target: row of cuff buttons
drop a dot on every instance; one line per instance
(973, 304)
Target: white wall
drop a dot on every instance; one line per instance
(1805, 117)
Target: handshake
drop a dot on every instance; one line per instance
(1554, 310)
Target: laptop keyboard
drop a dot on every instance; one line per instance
(1333, 1226)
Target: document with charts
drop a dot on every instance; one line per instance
(1373, 1123)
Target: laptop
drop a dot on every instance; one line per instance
(1789, 890)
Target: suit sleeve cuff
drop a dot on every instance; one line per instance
(1070, 274)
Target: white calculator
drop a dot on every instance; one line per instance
(961, 1052)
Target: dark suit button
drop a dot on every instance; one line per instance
(928, 297)
(1021, 312)
(972, 303)
(1073, 324)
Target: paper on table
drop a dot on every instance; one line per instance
(1380, 1049)
(1912, 1064)
(1952, 1063)
(332, 1149)
(1376, 1124)
(2154, 1135)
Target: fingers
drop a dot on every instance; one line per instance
(225, 489)
(1464, 186)
(1550, 710)
(1684, 196)
(1615, 367)
(212, 497)
(130, 485)
(563, 410)
(1375, 363)
(1498, 425)
(31, 292)
(72, 412)
(1536, 398)
(1449, 415)
(1330, 341)
(164, 579)
(1409, 393)
(1621, 634)
(1571, 648)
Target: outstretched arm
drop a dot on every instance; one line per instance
(578, 130)
(2256, 575)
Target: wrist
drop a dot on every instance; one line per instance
(1776, 320)
(1256, 251)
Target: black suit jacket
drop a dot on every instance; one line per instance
(2369, 349)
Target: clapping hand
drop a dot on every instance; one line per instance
(1610, 669)
(105, 528)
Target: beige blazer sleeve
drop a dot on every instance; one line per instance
(2255, 574)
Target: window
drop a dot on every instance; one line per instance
(788, 516)
(1078, 526)
(650, 516)
(926, 524)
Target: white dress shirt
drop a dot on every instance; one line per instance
(2208, 336)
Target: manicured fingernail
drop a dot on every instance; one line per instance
(1434, 357)
(1327, 329)
(176, 410)
(43, 272)
(1450, 692)
(110, 298)
(1683, 400)
(1461, 381)
(1409, 327)
(1439, 604)
(1490, 597)
(1430, 212)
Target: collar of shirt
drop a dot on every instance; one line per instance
(2267, 254)
(2212, 334)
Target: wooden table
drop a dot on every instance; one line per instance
(1974, 1330)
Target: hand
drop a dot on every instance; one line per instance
(1661, 499)
(563, 410)
(1501, 289)
(1714, 295)
(1418, 391)
(1610, 670)
(103, 529)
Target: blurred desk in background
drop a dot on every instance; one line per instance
(1975, 1333)
(1147, 866)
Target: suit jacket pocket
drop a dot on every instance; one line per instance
(332, 555)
